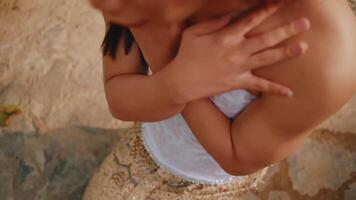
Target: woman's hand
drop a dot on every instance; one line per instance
(215, 57)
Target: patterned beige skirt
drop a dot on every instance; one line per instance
(130, 173)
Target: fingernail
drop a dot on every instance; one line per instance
(298, 48)
(295, 49)
(288, 93)
(301, 24)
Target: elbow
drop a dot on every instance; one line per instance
(239, 171)
(233, 166)
(128, 116)
(114, 109)
(118, 115)
(240, 168)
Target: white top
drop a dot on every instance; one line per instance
(174, 147)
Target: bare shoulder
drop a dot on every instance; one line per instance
(323, 79)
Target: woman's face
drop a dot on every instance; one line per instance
(134, 12)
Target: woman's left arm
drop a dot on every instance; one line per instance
(271, 127)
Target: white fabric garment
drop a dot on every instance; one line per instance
(174, 147)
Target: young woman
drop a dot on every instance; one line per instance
(210, 124)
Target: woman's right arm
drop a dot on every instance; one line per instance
(131, 94)
(132, 97)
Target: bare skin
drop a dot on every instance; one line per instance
(273, 127)
(163, 99)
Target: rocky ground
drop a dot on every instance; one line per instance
(50, 68)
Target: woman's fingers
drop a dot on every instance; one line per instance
(272, 56)
(267, 86)
(243, 26)
(210, 26)
(274, 37)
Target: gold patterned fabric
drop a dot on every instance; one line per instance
(129, 172)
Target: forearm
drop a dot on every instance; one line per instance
(137, 97)
(212, 129)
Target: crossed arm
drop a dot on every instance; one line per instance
(272, 127)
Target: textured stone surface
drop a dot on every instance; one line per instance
(353, 4)
(53, 166)
(350, 194)
(278, 195)
(50, 63)
(249, 196)
(320, 165)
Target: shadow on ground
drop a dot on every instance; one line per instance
(57, 165)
